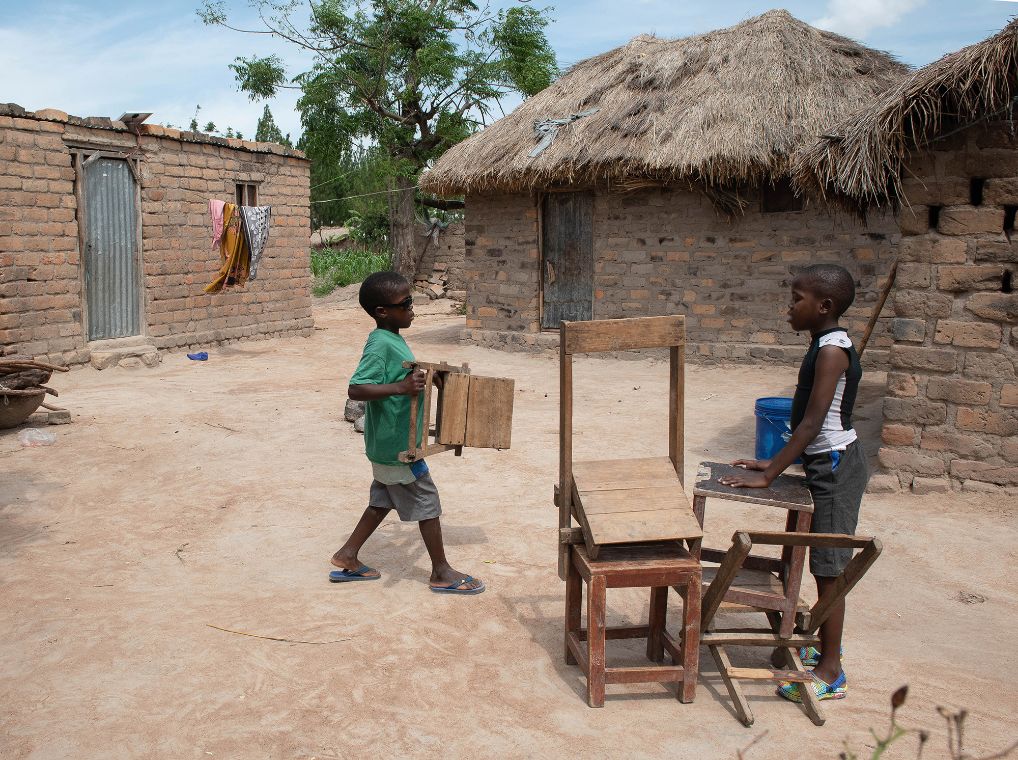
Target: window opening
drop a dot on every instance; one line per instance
(976, 191)
(1009, 214)
(934, 216)
(779, 197)
(247, 194)
(1006, 286)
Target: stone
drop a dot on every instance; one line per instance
(435, 291)
(457, 295)
(358, 425)
(353, 410)
(968, 334)
(921, 486)
(988, 473)
(131, 362)
(997, 307)
(977, 486)
(883, 483)
(969, 277)
(970, 220)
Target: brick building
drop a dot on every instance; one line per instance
(938, 146)
(654, 179)
(105, 238)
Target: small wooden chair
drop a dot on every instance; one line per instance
(785, 646)
(633, 516)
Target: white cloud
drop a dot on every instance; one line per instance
(856, 18)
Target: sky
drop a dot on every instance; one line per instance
(107, 57)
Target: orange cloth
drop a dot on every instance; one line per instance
(233, 252)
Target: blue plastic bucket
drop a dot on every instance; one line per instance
(773, 425)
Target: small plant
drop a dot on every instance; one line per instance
(336, 268)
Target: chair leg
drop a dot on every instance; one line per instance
(574, 605)
(810, 703)
(658, 616)
(596, 602)
(738, 699)
(690, 649)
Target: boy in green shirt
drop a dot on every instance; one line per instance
(386, 386)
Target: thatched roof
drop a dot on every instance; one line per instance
(728, 106)
(862, 160)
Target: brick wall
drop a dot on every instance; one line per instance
(951, 415)
(40, 266)
(448, 250)
(663, 251)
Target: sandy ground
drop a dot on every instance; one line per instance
(201, 494)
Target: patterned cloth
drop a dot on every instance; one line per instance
(256, 229)
(234, 255)
(216, 212)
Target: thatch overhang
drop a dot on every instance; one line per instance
(717, 110)
(861, 162)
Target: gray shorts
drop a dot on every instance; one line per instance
(837, 480)
(413, 502)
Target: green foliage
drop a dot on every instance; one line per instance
(267, 131)
(334, 268)
(409, 77)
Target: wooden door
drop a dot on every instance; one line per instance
(568, 253)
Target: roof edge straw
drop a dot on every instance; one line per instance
(720, 110)
(862, 162)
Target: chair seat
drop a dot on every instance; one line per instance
(648, 565)
(751, 580)
(622, 501)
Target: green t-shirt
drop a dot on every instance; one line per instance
(387, 420)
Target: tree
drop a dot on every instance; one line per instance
(412, 77)
(267, 131)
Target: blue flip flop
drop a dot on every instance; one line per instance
(346, 576)
(454, 587)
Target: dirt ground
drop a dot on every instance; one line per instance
(213, 494)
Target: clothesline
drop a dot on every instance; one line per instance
(365, 195)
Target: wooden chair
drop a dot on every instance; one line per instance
(633, 516)
(766, 583)
(785, 646)
(623, 501)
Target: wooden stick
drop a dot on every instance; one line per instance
(30, 363)
(878, 308)
(276, 638)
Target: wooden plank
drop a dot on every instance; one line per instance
(645, 674)
(766, 674)
(653, 525)
(423, 452)
(453, 409)
(829, 540)
(677, 406)
(608, 474)
(786, 492)
(490, 412)
(755, 637)
(634, 500)
(565, 449)
(625, 334)
(724, 665)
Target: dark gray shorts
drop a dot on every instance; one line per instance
(837, 493)
(413, 502)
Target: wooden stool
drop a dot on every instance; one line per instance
(649, 566)
(765, 583)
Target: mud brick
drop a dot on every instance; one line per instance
(969, 277)
(914, 220)
(943, 192)
(984, 421)
(918, 357)
(911, 461)
(933, 249)
(968, 334)
(900, 435)
(922, 304)
(959, 391)
(913, 275)
(1009, 395)
(901, 385)
(1009, 449)
(992, 366)
(948, 439)
(998, 307)
(1001, 251)
(985, 472)
(922, 486)
(1001, 191)
(908, 330)
(917, 411)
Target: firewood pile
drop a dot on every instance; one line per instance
(26, 377)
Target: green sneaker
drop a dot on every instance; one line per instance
(838, 689)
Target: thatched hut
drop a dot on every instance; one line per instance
(653, 179)
(942, 145)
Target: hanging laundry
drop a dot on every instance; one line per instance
(216, 212)
(233, 252)
(256, 230)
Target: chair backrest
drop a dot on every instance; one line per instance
(742, 543)
(601, 335)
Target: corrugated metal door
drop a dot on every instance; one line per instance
(568, 248)
(111, 240)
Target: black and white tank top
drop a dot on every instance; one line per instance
(836, 432)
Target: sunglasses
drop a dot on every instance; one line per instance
(406, 303)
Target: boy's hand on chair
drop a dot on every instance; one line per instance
(752, 464)
(751, 479)
(412, 384)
